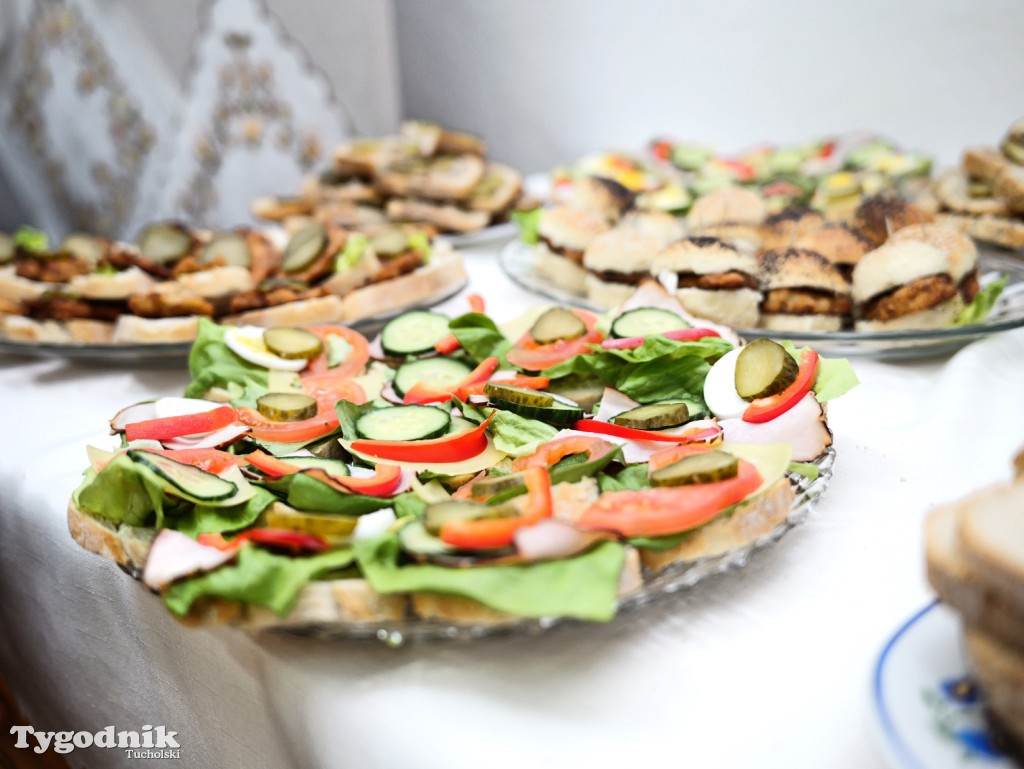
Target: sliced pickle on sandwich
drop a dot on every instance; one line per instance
(293, 343)
(763, 369)
(707, 467)
(496, 484)
(556, 325)
(654, 416)
(533, 404)
(166, 242)
(304, 247)
(230, 249)
(286, 407)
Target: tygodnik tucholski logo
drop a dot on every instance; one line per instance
(151, 742)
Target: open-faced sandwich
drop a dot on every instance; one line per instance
(455, 471)
(93, 290)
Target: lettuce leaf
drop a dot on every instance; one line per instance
(258, 577)
(982, 304)
(31, 239)
(835, 375)
(583, 587)
(212, 364)
(518, 435)
(305, 493)
(202, 519)
(126, 492)
(631, 478)
(529, 223)
(479, 336)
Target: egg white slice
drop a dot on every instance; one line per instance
(247, 343)
(720, 388)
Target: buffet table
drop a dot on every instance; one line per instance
(766, 666)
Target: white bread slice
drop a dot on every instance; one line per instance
(131, 329)
(305, 312)
(218, 281)
(799, 323)
(448, 217)
(561, 271)
(87, 331)
(992, 537)
(951, 188)
(21, 329)
(500, 186)
(939, 316)
(737, 308)
(441, 178)
(15, 288)
(359, 274)
(999, 671)
(118, 286)
(605, 293)
(445, 273)
(1001, 230)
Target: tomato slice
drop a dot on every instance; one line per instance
(766, 409)
(356, 359)
(382, 483)
(668, 456)
(653, 512)
(450, 448)
(551, 452)
(327, 389)
(164, 428)
(499, 532)
(531, 356)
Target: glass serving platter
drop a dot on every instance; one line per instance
(134, 353)
(516, 260)
(484, 236)
(658, 585)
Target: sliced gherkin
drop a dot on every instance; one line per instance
(764, 368)
(707, 467)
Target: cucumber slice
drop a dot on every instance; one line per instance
(164, 243)
(416, 540)
(709, 467)
(293, 343)
(438, 513)
(287, 407)
(655, 416)
(333, 528)
(189, 479)
(533, 404)
(304, 247)
(557, 324)
(646, 320)
(460, 425)
(438, 373)
(586, 391)
(332, 466)
(413, 333)
(230, 249)
(403, 423)
(495, 484)
(764, 368)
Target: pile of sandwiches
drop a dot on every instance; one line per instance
(427, 174)
(93, 290)
(984, 197)
(885, 265)
(975, 560)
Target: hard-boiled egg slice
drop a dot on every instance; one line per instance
(247, 343)
(720, 388)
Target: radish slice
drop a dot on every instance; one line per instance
(138, 412)
(803, 427)
(551, 539)
(174, 555)
(218, 439)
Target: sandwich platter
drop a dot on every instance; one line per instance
(517, 261)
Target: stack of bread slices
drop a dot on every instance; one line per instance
(975, 557)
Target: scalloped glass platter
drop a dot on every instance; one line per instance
(134, 353)
(657, 585)
(516, 260)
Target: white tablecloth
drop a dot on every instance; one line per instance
(768, 666)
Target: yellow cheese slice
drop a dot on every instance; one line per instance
(482, 461)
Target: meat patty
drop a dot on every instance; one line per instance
(576, 257)
(121, 259)
(168, 305)
(917, 295)
(52, 269)
(68, 308)
(727, 280)
(805, 301)
(401, 264)
(969, 286)
(628, 278)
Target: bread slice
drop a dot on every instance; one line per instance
(441, 178)
(1009, 185)
(444, 273)
(951, 188)
(992, 537)
(131, 329)
(87, 331)
(305, 312)
(999, 670)
(448, 217)
(277, 209)
(16, 289)
(18, 328)
(560, 270)
(498, 189)
(983, 163)
(1000, 230)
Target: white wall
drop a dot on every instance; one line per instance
(546, 81)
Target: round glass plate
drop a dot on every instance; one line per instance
(516, 260)
(927, 711)
(135, 353)
(491, 234)
(657, 585)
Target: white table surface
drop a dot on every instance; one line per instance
(768, 666)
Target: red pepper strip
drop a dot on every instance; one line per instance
(476, 303)
(499, 532)
(661, 149)
(679, 335)
(294, 541)
(519, 380)
(766, 409)
(465, 491)
(381, 484)
(548, 454)
(449, 344)
(211, 460)
(174, 427)
(450, 448)
(607, 428)
(421, 392)
(666, 457)
(271, 465)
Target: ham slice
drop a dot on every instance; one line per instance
(803, 427)
(174, 555)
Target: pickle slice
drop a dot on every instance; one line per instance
(292, 343)
(764, 368)
(521, 396)
(231, 249)
(708, 467)
(88, 247)
(555, 325)
(389, 243)
(304, 247)
(495, 484)
(286, 407)
(333, 528)
(164, 243)
(586, 391)
(437, 514)
(6, 248)
(654, 416)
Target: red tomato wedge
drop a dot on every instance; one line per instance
(766, 409)
(449, 344)
(421, 392)
(607, 428)
(327, 389)
(679, 335)
(356, 359)
(529, 355)
(270, 465)
(174, 427)
(551, 452)
(653, 512)
(450, 448)
(499, 532)
(382, 483)
(519, 380)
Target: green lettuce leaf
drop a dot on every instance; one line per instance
(808, 470)
(31, 239)
(258, 577)
(982, 305)
(212, 364)
(314, 496)
(126, 492)
(529, 223)
(835, 375)
(203, 519)
(518, 435)
(408, 504)
(348, 413)
(479, 336)
(631, 478)
(583, 587)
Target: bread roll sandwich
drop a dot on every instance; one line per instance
(604, 196)
(803, 291)
(497, 191)
(445, 177)
(713, 280)
(617, 261)
(905, 285)
(661, 224)
(841, 244)
(958, 248)
(563, 233)
(789, 225)
(881, 215)
(726, 205)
